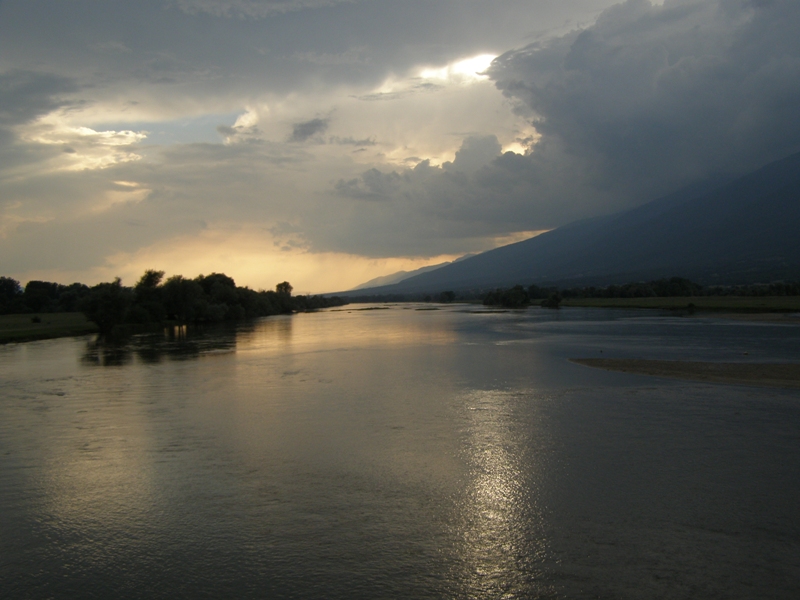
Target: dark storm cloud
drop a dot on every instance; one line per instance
(429, 210)
(650, 98)
(302, 132)
(250, 8)
(25, 95)
(215, 48)
(475, 152)
(643, 102)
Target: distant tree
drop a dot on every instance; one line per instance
(535, 292)
(284, 289)
(281, 298)
(552, 301)
(447, 297)
(221, 290)
(150, 280)
(11, 296)
(183, 299)
(41, 296)
(107, 305)
(70, 296)
(516, 297)
(148, 303)
(9, 289)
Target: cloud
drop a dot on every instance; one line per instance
(250, 8)
(471, 202)
(646, 100)
(302, 132)
(350, 141)
(651, 97)
(352, 56)
(475, 152)
(25, 95)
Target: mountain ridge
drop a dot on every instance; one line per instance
(740, 231)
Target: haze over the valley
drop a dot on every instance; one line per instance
(330, 142)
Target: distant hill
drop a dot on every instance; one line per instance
(397, 277)
(743, 231)
(403, 275)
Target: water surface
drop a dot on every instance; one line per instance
(399, 453)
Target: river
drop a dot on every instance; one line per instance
(400, 452)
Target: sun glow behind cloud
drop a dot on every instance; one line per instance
(83, 148)
(461, 71)
(255, 165)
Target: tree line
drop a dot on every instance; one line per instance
(519, 296)
(206, 298)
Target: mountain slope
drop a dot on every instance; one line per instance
(397, 277)
(744, 231)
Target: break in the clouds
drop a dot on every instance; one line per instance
(331, 142)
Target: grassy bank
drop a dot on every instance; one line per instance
(745, 304)
(22, 328)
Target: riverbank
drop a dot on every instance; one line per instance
(782, 375)
(25, 328)
(730, 304)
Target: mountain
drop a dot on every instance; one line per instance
(743, 231)
(403, 275)
(397, 277)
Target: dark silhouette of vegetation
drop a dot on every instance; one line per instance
(552, 301)
(661, 288)
(674, 287)
(205, 299)
(39, 296)
(447, 297)
(107, 305)
(516, 297)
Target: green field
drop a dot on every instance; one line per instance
(21, 328)
(711, 303)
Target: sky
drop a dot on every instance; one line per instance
(328, 142)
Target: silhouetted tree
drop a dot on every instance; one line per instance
(107, 305)
(11, 295)
(552, 301)
(284, 289)
(516, 297)
(148, 304)
(41, 296)
(183, 299)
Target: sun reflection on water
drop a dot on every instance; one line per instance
(351, 328)
(502, 543)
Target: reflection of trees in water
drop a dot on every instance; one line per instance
(180, 342)
(278, 328)
(105, 354)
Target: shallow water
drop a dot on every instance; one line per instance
(399, 453)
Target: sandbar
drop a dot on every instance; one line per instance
(781, 375)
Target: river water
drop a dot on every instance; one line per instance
(400, 453)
